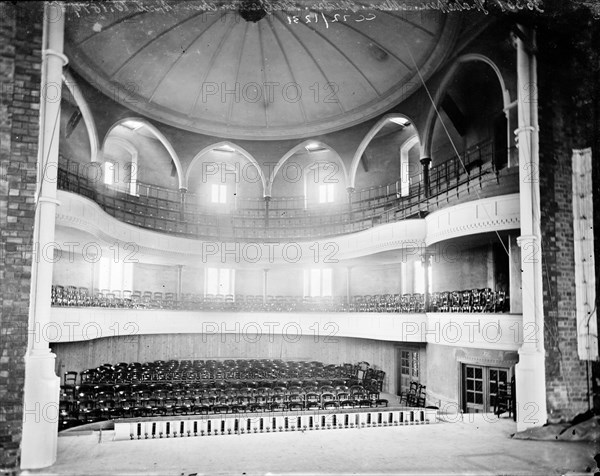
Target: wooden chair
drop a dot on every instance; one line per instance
(504, 402)
(409, 397)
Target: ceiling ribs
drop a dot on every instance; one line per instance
(149, 42)
(314, 60)
(264, 71)
(287, 62)
(209, 67)
(347, 58)
(237, 72)
(376, 43)
(181, 55)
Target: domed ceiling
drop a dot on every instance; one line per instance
(230, 73)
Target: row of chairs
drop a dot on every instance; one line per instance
(472, 300)
(303, 392)
(97, 398)
(81, 296)
(215, 370)
(103, 405)
(228, 369)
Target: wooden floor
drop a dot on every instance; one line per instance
(467, 444)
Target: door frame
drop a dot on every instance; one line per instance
(486, 366)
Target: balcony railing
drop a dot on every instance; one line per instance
(470, 300)
(458, 179)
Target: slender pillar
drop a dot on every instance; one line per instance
(93, 279)
(491, 268)
(40, 420)
(530, 371)
(408, 278)
(514, 276)
(507, 112)
(348, 284)
(350, 191)
(267, 200)
(182, 192)
(426, 260)
(265, 284)
(179, 281)
(425, 161)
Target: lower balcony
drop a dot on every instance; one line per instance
(475, 330)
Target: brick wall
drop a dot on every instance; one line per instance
(20, 62)
(566, 380)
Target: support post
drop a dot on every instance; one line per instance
(182, 192)
(267, 201)
(179, 281)
(350, 191)
(265, 284)
(426, 260)
(408, 278)
(530, 375)
(40, 406)
(425, 161)
(348, 284)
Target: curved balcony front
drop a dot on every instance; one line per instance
(458, 180)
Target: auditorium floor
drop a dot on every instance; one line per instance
(469, 447)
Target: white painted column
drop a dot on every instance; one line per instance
(426, 263)
(40, 420)
(408, 276)
(530, 371)
(179, 281)
(491, 268)
(514, 276)
(348, 284)
(265, 284)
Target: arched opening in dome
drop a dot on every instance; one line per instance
(138, 158)
(470, 117)
(388, 156)
(311, 174)
(224, 176)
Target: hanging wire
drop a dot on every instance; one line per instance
(448, 134)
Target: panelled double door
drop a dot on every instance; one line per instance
(480, 386)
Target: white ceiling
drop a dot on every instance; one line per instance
(285, 79)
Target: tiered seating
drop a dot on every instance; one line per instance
(206, 387)
(161, 209)
(474, 300)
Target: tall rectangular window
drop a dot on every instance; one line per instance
(219, 281)
(131, 171)
(420, 278)
(114, 275)
(404, 178)
(326, 193)
(318, 282)
(104, 273)
(109, 173)
(218, 193)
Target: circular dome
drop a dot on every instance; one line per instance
(272, 76)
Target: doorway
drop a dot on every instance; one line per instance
(480, 386)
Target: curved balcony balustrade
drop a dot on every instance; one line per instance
(471, 300)
(459, 179)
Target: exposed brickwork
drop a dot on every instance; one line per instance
(20, 63)
(566, 379)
